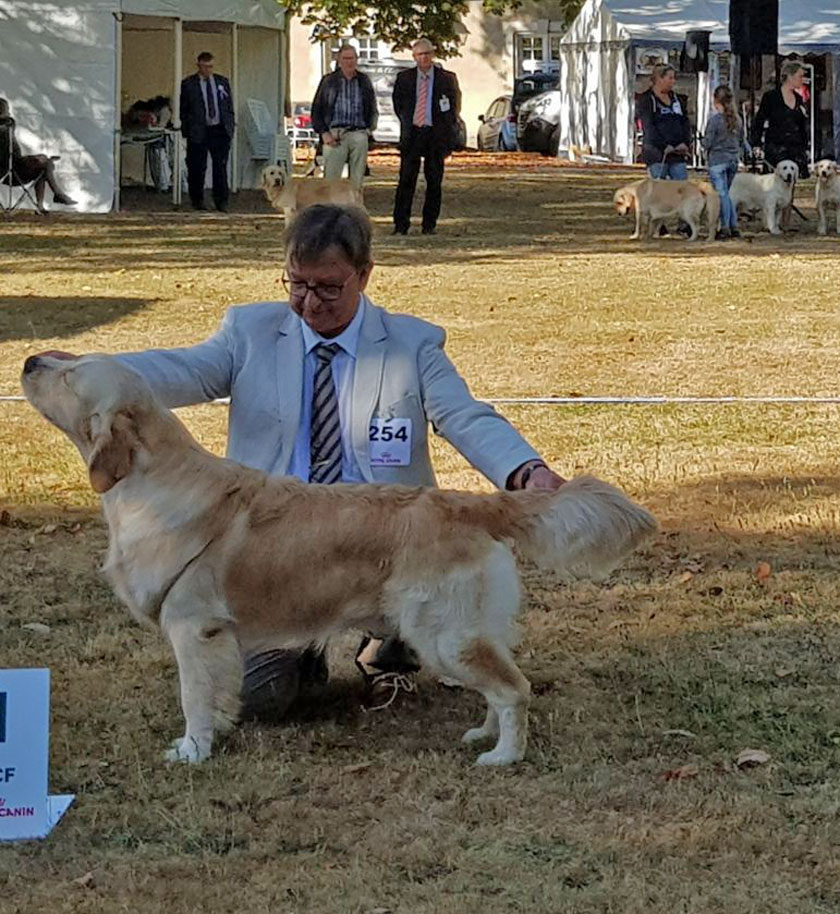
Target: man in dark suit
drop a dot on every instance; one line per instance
(427, 100)
(207, 123)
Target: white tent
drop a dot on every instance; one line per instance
(604, 46)
(70, 68)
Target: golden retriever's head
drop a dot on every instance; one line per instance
(95, 401)
(273, 178)
(825, 169)
(788, 171)
(624, 201)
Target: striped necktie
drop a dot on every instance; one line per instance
(211, 101)
(325, 428)
(420, 107)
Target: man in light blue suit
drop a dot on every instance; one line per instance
(331, 388)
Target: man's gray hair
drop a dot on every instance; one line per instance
(346, 46)
(422, 44)
(324, 226)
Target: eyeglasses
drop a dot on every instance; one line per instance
(324, 291)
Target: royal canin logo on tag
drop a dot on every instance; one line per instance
(15, 812)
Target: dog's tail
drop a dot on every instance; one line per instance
(712, 206)
(585, 528)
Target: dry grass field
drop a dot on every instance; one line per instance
(723, 635)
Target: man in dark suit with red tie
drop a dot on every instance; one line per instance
(427, 100)
(207, 123)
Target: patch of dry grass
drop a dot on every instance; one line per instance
(340, 811)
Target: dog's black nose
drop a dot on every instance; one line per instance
(32, 364)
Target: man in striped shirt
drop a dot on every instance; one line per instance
(344, 114)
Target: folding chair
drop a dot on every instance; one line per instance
(11, 184)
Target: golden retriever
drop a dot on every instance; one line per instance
(293, 194)
(827, 193)
(771, 193)
(227, 559)
(654, 200)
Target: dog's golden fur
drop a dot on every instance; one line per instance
(294, 194)
(653, 201)
(228, 559)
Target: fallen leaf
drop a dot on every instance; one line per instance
(85, 882)
(749, 758)
(686, 733)
(685, 577)
(354, 769)
(784, 671)
(763, 571)
(38, 627)
(681, 774)
(48, 528)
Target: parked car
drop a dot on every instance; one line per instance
(497, 132)
(299, 125)
(525, 87)
(538, 123)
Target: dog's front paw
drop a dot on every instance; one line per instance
(496, 757)
(188, 749)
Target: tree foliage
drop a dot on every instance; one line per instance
(401, 22)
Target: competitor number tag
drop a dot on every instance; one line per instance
(390, 442)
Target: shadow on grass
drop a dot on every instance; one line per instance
(34, 317)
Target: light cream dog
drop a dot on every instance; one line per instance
(827, 193)
(654, 200)
(227, 559)
(293, 194)
(771, 193)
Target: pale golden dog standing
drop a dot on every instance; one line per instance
(827, 193)
(293, 194)
(654, 200)
(228, 559)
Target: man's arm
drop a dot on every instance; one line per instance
(318, 114)
(486, 439)
(194, 374)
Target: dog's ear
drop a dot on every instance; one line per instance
(114, 442)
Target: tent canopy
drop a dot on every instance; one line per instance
(804, 25)
(60, 70)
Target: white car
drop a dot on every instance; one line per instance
(538, 123)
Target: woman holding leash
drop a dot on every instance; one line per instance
(666, 129)
(781, 126)
(724, 145)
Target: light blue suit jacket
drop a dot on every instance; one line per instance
(256, 358)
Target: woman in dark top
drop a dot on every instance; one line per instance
(781, 126)
(667, 132)
(26, 169)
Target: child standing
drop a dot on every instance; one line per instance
(724, 145)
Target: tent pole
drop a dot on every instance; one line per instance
(118, 50)
(178, 70)
(234, 76)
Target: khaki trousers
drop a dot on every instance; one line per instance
(352, 149)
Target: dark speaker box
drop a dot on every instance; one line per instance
(754, 27)
(695, 52)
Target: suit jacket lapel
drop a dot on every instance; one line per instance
(289, 375)
(367, 383)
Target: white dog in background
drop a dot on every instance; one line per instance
(292, 194)
(827, 193)
(771, 193)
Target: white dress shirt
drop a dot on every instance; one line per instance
(343, 368)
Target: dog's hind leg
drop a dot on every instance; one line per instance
(209, 663)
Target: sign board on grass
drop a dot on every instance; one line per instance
(26, 809)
